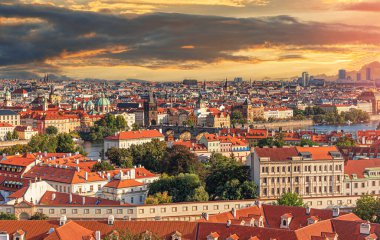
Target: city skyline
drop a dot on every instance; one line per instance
(166, 41)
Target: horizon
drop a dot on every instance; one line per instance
(205, 40)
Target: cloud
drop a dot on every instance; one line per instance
(77, 38)
(362, 6)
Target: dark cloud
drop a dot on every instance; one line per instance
(156, 40)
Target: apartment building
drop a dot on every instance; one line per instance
(308, 171)
(128, 138)
(5, 128)
(10, 117)
(278, 113)
(362, 177)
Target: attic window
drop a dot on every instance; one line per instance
(336, 155)
(306, 155)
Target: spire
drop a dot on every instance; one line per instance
(204, 85)
(151, 97)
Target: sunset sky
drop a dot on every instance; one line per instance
(169, 40)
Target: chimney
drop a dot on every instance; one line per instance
(205, 216)
(62, 220)
(365, 228)
(86, 176)
(109, 176)
(307, 210)
(97, 235)
(53, 196)
(70, 198)
(233, 211)
(111, 219)
(78, 169)
(335, 211)
(83, 200)
(228, 223)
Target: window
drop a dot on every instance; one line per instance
(109, 211)
(130, 211)
(152, 210)
(120, 211)
(131, 199)
(163, 210)
(319, 203)
(74, 211)
(63, 211)
(51, 211)
(98, 211)
(194, 208)
(174, 209)
(205, 207)
(141, 211)
(86, 211)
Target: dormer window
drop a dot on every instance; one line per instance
(19, 235)
(176, 235)
(312, 220)
(233, 237)
(285, 220)
(213, 236)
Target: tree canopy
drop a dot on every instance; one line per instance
(290, 199)
(368, 208)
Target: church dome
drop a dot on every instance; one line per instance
(89, 104)
(103, 101)
(7, 93)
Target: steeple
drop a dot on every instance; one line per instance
(151, 97)
(204, 85)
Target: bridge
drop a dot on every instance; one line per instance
(184, 132)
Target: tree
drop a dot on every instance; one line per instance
(158, 198)
(43, 142)
(120, 157)
(290, 199)
(368, 208)
(222, 174)
(345, 142)
(51, 130)
(102, 166)
(18, 148)
(8, 136)
(39, 216)
(179, 159)
(237, 117)
(7, 216)
(307, 142)
(121, 123)
(182, 188)
(151, 155)
(65, 143)
(135, 127)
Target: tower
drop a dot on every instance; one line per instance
(150, 111)
(342, 74)
(368, 74)
(200, 103)
(8, 99)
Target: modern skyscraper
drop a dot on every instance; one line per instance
(305, 79)
(342, 74)
(368, 74)
(358, 76)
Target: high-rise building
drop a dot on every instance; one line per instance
(305, 79)
(358, 76)
(342, 74)
(368, 74)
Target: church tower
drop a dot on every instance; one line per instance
(8, 99)
(150, 111)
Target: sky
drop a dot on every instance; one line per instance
(170, 40)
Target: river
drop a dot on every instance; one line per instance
(93, 149)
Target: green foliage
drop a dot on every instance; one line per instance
(182, 188)
(120, 156)
(43, 142)
(15, 135)
(102, 166)
(237, 118)
(224, 174)
(158, 198)
(8, 136)
(18, 148)
(135, 127)
(105, 127)
(39, 216)
(345, 142)
(353, 115)
(290, 199)
(368, 208)
(307, 142)
(278, 141)
(7, 216)
(51, 130)
(151, 155)
(314, 111)
(179, 159)
(65, 143)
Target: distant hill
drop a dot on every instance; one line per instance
(137, 80)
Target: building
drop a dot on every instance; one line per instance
(211, 141)
(362, 177)
(10, 117)
(129, 117)
(308, 171)
(342, 74)
(126, 139)
(150, 111)
(218, 120)
(7, 99)
(103, 104)
(368, 74)
(5, 128)
(25, 132)
(278, 113)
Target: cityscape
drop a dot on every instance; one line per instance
(179, 120)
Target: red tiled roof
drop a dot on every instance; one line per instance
(277, 154)
(126, 183)
(136, 135)
(358, 166)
